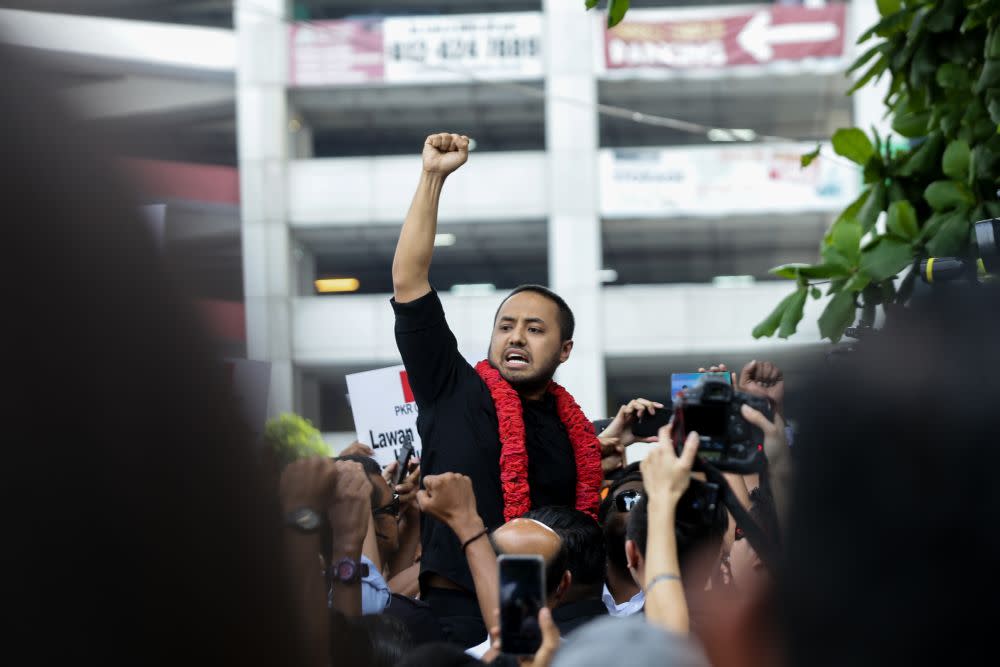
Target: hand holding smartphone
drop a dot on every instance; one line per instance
(402, 463)
(522, 596)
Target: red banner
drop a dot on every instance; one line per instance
(723, 38)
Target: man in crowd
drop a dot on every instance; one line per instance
(583, 542)
(503, 414)
(622, 595)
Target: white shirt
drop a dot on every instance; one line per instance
(633, 606)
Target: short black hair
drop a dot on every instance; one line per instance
(567, 323)
(613, 522)
(371, 467)
(582, 538)
(691, 538)
(553, 571)
(388, 638)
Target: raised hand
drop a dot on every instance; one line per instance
(664, 474)
(621, 426)
(350, 507)
(449, 498)
(444, 153)
(307, 483)
(764, 378)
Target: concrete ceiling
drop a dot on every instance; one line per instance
(218, 13)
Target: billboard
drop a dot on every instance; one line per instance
(723, 37)
(718, 180)
(419, 49)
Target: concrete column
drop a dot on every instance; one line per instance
(571, 141)
(262, 135)
(868, 106)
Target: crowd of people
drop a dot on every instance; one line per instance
(866, 538)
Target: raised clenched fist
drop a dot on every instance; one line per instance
(444, 153)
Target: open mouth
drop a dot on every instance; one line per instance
(516, 358)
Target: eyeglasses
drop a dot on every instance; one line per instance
(626, 500)
(392, 508)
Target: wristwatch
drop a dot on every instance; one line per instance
(304, 520)
(348, 571)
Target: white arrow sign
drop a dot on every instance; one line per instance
(758, 35)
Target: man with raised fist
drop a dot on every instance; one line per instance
(519, 436)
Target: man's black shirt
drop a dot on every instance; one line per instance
(459, 432)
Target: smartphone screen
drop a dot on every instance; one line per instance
(681, 381)
(522, 596)
(402, 461)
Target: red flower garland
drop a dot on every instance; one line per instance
(514, 454)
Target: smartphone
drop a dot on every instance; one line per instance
(682, 381)
(403, 460)
(522, 596)
(649, 424)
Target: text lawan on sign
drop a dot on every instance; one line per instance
(385, 412)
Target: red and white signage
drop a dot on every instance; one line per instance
(385, 413)
(418, 49)
(721, 37)
(336, 52)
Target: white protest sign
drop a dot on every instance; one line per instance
(385, 414)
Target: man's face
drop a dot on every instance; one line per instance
(527, 346)
(386, 525)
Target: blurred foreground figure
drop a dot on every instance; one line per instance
(136, 530)
(895, 503)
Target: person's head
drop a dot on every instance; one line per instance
(174, 542)
(628, 641)
(698, 545)
(895, 493)
(532, 336)
(385, 505)
(583, 541)
(613, 522)
(527, 537)
(387, 637)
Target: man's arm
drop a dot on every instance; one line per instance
(450, 499)
(443, 154)
(666, 477)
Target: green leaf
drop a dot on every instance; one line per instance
(932, 226)
(886, 258)
(876, 70)
(793, 313)
(837, 316)
(911, 123)
(886, 27)
(953, 236)
(815, 293)
(990, 77)
(769, 325)
(858, 282)
(616, 11)
(943, 195)
(902, 220)
(888, 7)
(923, 67)
(816, 272)
(952, 75)
(853, 144)
(845, 236)
(943, 19)
(992, 49)
(955, 162)
(868, 55)
(926, 157)
(875, 204)
(808, 158)
(590, 4)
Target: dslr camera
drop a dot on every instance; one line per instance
(728, 441)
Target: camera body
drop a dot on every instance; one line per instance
(728, 441)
